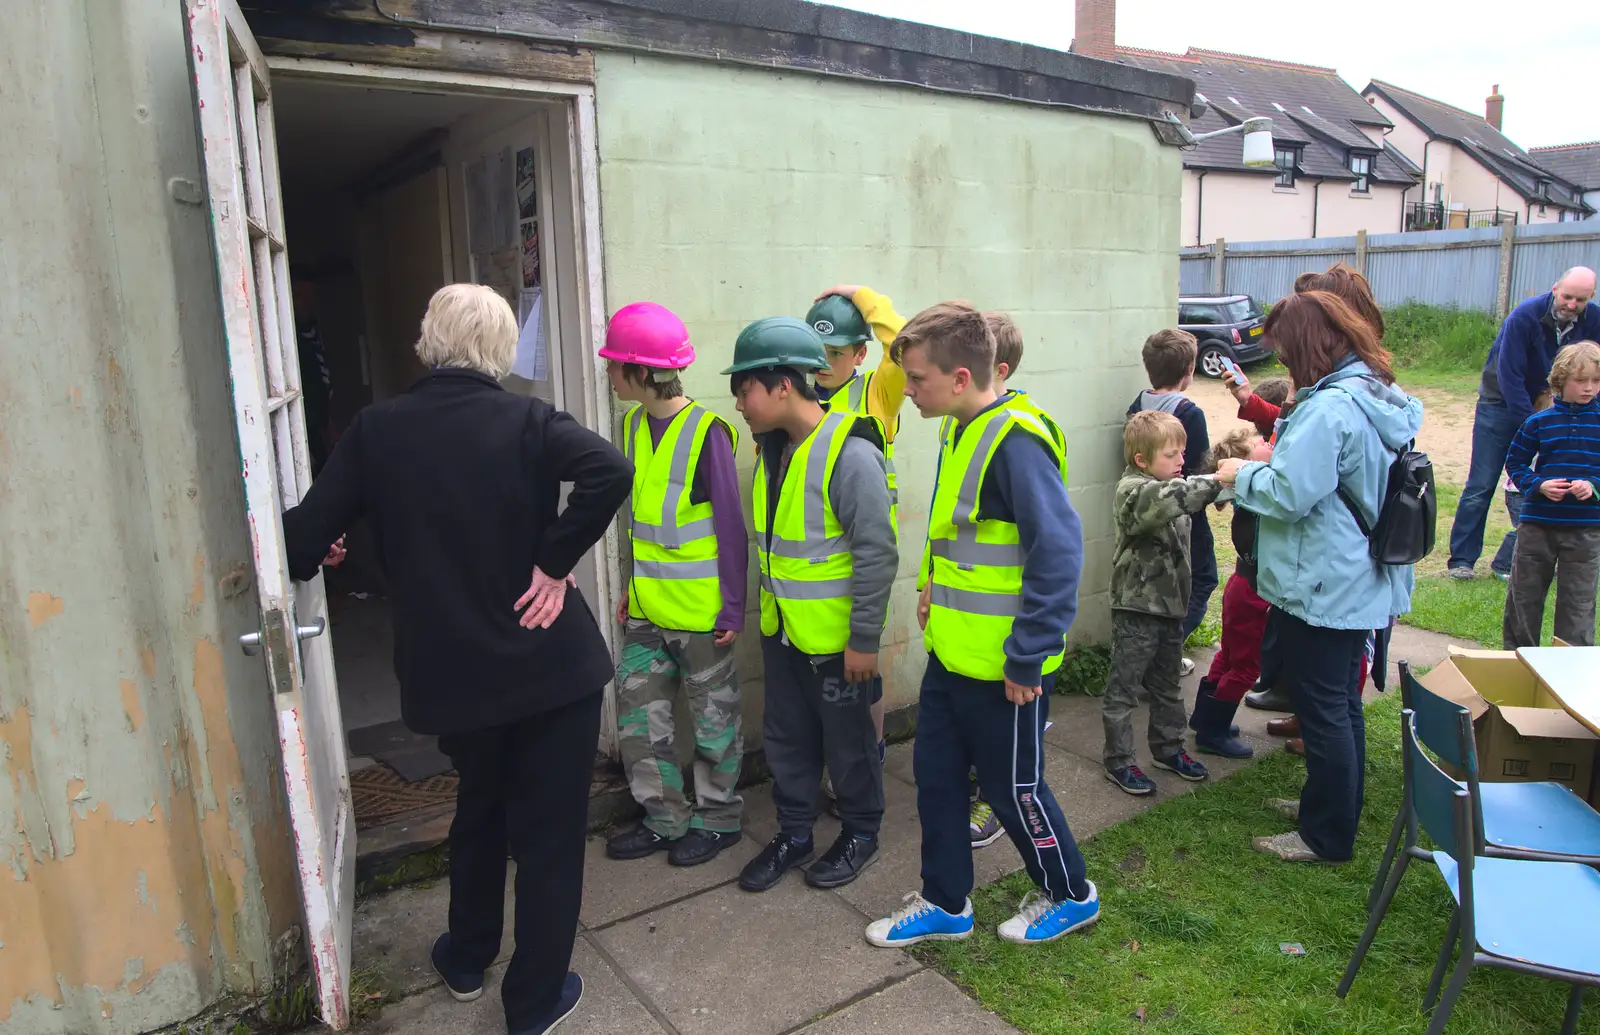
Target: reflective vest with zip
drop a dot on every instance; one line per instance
(852, 398)
(806, 566)
(976, 562)
(674, 583)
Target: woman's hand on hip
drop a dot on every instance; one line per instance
(543, 600)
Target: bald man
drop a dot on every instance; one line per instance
(1515, 374)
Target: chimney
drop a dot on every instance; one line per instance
(1094, 29)
(1494, 106)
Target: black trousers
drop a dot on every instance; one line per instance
(814, 716)
(966, 723)
(1322, 669)
(524, 784)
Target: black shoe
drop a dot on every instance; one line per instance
(1213, 717)
(1208, 689)
(700, 846)
(571, 996)
(843, 862)
(1269, 699)
(464, 986)
(638, 843)
(775, 860)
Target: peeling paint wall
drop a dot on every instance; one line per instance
(145, 867)
(732, 193)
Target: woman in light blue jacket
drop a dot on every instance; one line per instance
(1314, 566)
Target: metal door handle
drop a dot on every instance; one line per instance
(250, 643)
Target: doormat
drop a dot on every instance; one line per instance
(380, 794)
(415, 756)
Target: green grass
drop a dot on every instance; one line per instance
(1430, 339)
(1193, 918)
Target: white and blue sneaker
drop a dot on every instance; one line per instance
(1040, 920)
(920, 921)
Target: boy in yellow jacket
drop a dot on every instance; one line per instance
(847, 316)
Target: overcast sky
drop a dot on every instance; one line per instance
(1453, 52)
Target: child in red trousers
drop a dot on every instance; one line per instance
(1244, 622)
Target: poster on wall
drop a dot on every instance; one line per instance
(533, 361)
(528, 217)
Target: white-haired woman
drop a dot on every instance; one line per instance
(460, 481)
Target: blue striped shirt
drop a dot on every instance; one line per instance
(1560, 442)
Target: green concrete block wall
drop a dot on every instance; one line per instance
(733, 193)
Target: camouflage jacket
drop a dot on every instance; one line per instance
(1150, 564)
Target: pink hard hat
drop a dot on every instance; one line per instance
(649, 335)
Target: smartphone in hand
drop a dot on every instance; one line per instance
(1233, 370)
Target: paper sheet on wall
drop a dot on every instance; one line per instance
(532, 362)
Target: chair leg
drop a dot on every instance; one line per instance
(1569, 1026)
(1374, 918)
(1458, 981)
(1395, 835)
(1451, 932)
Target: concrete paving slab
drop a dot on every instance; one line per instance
(898, 868)
(923, 1003)
(395, 931)
(608, 1008)
(613, 890)
(1090, 802)
(757, 964)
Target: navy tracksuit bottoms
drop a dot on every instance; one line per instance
(965, 723)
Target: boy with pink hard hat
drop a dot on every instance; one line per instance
(684, 602)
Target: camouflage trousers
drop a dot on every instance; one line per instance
(655, 663)
(1146, 651)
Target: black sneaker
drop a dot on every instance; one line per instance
(464, 986)
(637, 843)
(1132, 780)
(571, 996)
(843, 862)
(775, 860)
(700, 846)
(1183, 765)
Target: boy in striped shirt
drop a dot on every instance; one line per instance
(1555, 461)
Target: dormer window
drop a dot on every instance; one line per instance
(1287, 159)
(1361, 165)
(1543, 189)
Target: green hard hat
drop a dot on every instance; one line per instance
(778, 341)
(839, 322)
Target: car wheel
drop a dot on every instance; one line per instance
(1209, 362)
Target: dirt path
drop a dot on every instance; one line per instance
(1446, 424)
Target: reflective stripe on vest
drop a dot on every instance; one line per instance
(674, 583)
(856, 393)
(976, 562)
(805, 561)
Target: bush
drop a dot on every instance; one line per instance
(1438, 339)
(1085, 670)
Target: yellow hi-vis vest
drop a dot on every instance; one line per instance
(806, 566)
(674, 583)
(976, 561)
(852, 398)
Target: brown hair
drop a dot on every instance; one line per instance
(655, 379)
(1570, 362)
(1169, 357)
(1007, 340)
(1235, 445)
(1350, 286)
(1275, 390)
(1314, 330)
(955, 335)
(1148, 431)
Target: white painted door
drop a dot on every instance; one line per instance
(241, 160)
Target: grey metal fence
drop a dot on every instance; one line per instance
(1490, 269)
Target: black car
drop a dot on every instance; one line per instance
(1226, 326)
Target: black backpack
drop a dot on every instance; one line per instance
(1408, 514)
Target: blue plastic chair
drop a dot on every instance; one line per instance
(1538, 821)
(1531, 917)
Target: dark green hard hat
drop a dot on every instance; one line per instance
(778, 341)
(838, 321)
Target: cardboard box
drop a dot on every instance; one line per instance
(1522, 732)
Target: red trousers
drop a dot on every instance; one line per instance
(1244, 621)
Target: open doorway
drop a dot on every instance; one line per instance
(390, 192)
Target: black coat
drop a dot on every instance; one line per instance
(460, 481)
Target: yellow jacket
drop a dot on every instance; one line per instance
(888, 389)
